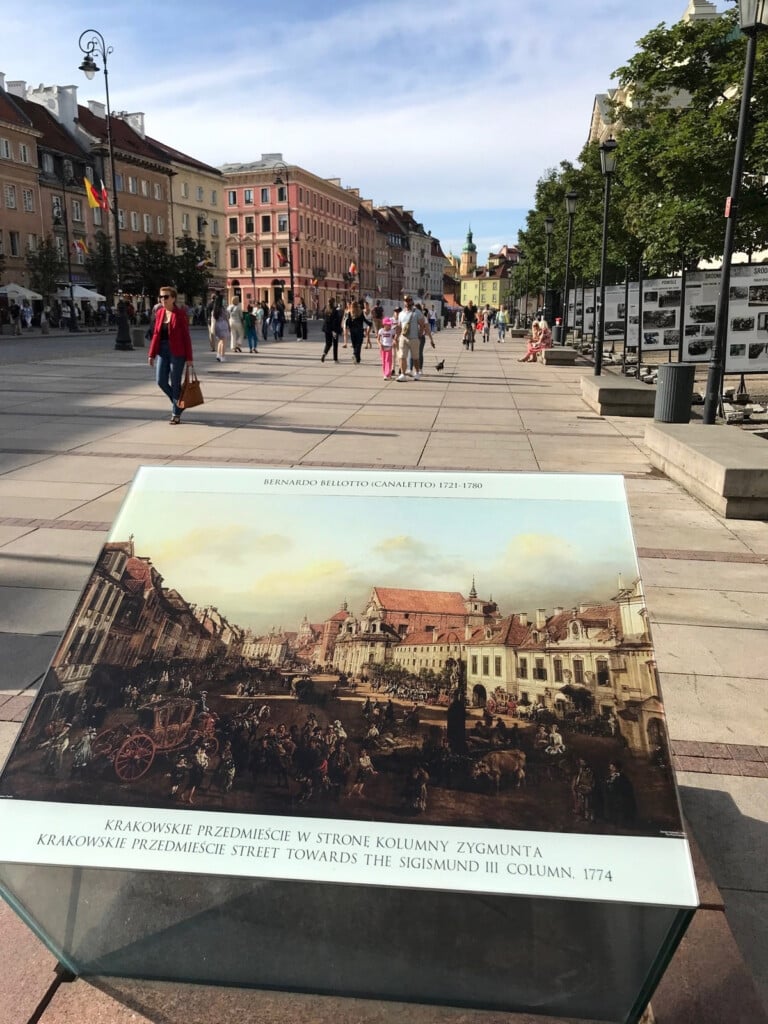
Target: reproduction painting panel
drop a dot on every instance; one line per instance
(406, 678)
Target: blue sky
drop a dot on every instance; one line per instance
(450, 108)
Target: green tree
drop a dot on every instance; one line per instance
(47, 268)
(146, 267)
(190, 279)
(677, 141)
(100, 265)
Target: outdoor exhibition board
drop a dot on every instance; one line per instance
(662, 319)
(395, 735)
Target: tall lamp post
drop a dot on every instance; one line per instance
(281, 171)
(570, 208)
(753, 16)
(95, 44)
(549, 227)
(607, 166)
(61, 218)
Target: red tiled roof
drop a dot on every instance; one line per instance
(54, 135)
(168, 152)
(11, 113)
(124, 138)
(438, 602)
(426, 637)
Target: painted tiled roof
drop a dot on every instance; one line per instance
(11, 113)
(427, 637)
(54, 135)
(124, 138)
(169, 153)
(438, 602)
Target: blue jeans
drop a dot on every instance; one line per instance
(169, 371)
(250, 337)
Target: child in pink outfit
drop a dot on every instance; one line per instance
(386, 339)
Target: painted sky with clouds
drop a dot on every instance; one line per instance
(268, 560)
(450, 108)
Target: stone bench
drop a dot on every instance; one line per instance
(725, 467)
(611, 395)
(560, 355)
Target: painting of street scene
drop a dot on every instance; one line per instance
(463, 661)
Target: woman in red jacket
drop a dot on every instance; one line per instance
(171, 345)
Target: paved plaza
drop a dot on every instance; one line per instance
(76, 420)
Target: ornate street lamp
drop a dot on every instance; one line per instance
(61, 219)
(281, 171)
(570, 208)
(607, 166)
(753, 17)
(549, 227)
(95, 44)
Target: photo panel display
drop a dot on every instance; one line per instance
(324, 676)
(747, 328)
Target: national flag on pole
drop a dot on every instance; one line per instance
(93, 197)
(104, 203)
(79, 246)
(282, 258)
(353, 268)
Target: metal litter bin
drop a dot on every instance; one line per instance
(674, 393)
(557, 334)
(137, 336)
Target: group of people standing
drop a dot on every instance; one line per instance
(232, 326)
(403, 335)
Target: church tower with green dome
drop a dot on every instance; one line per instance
(468, 256)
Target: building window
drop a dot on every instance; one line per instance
(266, 222)
(214, 197)
(118, 182)
(184, 190)
(497, 666)
(558, 669)
(97, 221)
(232, 225)
(32, 243)
(121, 217)
(603, 675)
(14, 240)
(148, 223)
(5, 149)
(578, 671)
(282, 222)
(23, 153)
(215, 228)
(249, 254)
(77, 211)
(160, 225)
(10, 197)
(250, 225)
(522, 668)
(133, 185)
(47, 163)
(282, 194)
(134, 221)
(185, 222)
(232, 197)
(486, 665)
(474, 665)
(248, 196)
(234, 259)
(200, 193)
(158, 190)
(265, 195)
(28, 200)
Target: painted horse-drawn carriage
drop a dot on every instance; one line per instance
(164, 725)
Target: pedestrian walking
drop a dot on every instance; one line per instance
(249, 326)
(331, 330)
(171, 347)
(356, 326)
(301, 321)
(236, 327)
(408, 324)
(386, 339)
(501, 325)
(221, 333)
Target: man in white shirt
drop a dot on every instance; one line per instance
(409, 325)
(236, 327)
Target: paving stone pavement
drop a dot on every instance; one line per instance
(77, 418)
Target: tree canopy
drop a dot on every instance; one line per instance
(676, 115)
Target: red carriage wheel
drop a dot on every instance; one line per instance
(134, 758)
(105, 742)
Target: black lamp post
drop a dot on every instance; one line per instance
(570, 208)
(281, 171)
(61, 217)
(95, 44)
(607, 166)
(549, 227)
(753, 16)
